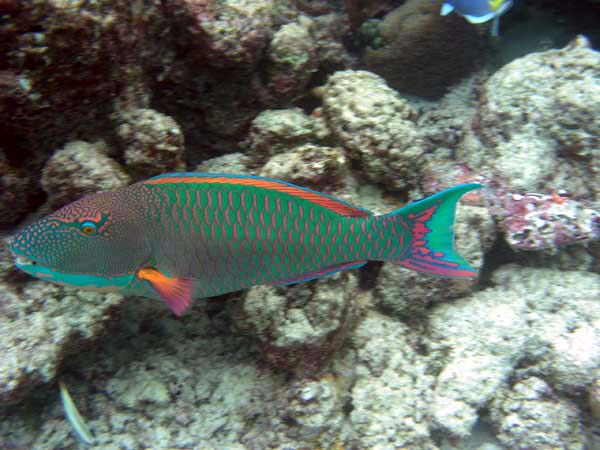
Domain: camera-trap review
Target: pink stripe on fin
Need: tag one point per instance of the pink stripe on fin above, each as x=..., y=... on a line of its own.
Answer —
x=325, y=272
x=436, y=270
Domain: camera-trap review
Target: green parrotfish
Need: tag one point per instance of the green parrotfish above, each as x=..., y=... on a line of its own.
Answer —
x=181, y=236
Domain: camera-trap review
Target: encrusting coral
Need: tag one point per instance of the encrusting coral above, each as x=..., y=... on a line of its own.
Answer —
x=375, y=125
x=535, y=129
x=153, y=142
x=80, y=168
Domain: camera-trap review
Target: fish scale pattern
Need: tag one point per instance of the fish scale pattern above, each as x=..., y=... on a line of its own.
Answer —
x=233, y=236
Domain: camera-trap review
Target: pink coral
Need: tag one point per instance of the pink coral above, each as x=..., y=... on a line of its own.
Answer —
x=545, y=222
x=226, y=34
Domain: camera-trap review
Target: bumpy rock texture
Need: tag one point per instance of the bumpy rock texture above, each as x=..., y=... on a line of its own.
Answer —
x=309, y=165
x=300, y=329
x=153, y=142
x=230, y=33
x=545, y=222
x=329, y=32
x=375, y=125
x=443, y=123
x=390, y=371
x=292, y=60
x=537, y=321
x=519, y=349
x=530, y=415
x=536, y=128
x=376, y=358
x=235, y=163
x=62, y=68
x=78, y=169
x=15, y=191
x=277, y=131
x=482, y=340
x=41, y=326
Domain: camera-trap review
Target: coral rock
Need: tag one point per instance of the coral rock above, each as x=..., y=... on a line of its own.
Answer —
x=536, y=129
x=391, y=398
x=564, y=317
x=483, y=339
x=375, y=125
x=594, y=396
x=66, y=63
x=315, y=409
x=301, y=327
x=153, y=143
x=15, y=190
x=309, y=165
x=329, y=32
x=228, y=33
x=278, y=131
x=545, y=222
x=443, y=123
x=543, y=320
x=235, y=163
x=292, y=60
x=530, y=415
x=40, y=327
x=78, y=169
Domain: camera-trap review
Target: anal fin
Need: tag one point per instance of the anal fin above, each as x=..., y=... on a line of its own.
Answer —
x=325, y=272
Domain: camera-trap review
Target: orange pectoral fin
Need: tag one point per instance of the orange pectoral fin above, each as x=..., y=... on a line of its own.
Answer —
x=175, y=292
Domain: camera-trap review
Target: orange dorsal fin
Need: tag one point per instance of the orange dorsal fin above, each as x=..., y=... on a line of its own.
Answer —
x=177, y=293
x=324, y=200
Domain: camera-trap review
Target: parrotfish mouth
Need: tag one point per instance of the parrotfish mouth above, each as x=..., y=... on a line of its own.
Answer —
x=27, y=264
x=22, y=262
x=34, y=268
x=79, y=280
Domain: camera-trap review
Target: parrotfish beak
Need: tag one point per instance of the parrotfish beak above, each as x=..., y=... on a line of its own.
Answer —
x=31, y=266
x=84, y=281
x=24, y=263
x=24, y=260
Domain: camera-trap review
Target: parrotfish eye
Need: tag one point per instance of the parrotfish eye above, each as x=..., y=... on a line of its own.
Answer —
x=88, y=228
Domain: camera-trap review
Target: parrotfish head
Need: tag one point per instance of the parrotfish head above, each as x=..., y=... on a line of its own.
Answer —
x=92, y=243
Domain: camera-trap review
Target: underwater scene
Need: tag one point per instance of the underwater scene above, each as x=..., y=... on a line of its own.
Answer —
x=299, y=224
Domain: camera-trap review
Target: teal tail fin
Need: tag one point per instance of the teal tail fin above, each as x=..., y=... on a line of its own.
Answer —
x=424, y=229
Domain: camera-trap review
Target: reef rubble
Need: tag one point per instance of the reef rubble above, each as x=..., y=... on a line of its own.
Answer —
x=377, y=358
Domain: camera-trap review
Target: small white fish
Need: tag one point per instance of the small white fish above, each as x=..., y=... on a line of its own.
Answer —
x=478, y=11
x=81, y=430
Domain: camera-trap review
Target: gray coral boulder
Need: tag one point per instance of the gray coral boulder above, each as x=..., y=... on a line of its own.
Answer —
x=153, y=142
x=530, y=415
x=537, y=126
x=300, y=328
x=42, y=325
x=280, y=130
x=393, y=390
x=80, y=168
x=376, y=126
x=534, y=321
